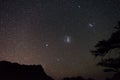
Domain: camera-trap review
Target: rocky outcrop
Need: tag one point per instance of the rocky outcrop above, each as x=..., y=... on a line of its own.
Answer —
x=15, y=71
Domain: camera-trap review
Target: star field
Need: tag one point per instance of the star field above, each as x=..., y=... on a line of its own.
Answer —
x=56, y=33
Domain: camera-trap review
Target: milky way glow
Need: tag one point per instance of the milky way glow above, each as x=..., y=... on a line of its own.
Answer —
x=58, y=34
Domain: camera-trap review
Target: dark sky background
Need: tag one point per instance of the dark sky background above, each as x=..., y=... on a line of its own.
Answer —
x=58, y=34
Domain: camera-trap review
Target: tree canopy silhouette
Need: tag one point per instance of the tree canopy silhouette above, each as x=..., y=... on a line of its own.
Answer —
x=106, y=51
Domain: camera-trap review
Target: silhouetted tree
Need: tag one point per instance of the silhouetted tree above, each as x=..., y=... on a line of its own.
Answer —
x=104, y=48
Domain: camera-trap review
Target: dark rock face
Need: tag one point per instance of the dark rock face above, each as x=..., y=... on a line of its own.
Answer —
x=77, y=78
x=14, y=71
x=116, y=76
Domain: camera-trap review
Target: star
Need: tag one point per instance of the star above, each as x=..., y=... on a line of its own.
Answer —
x=58, y=59
x=90, y=25
x=79, y=6
x=67, y=39
x=46, y=45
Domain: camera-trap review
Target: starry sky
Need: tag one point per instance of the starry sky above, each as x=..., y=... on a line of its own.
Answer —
x=58, y=34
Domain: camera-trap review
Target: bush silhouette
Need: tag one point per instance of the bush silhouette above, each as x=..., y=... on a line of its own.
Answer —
x=104, y=48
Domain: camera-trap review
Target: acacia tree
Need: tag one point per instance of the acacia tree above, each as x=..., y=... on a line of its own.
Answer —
x=104, y=48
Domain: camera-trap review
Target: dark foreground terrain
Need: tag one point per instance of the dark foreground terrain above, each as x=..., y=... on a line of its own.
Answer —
x=14, y=71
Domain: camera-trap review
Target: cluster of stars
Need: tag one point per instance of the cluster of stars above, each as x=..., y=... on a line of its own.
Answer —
x=54, y=32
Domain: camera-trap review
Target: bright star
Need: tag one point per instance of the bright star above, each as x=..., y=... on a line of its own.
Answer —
x=67, y=39
x=79, y=6
x=91, y=25
x=46, y=45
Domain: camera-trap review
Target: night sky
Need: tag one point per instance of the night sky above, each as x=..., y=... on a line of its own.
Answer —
x=58, y=34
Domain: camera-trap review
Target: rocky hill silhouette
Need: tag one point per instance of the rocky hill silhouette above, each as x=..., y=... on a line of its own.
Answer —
x=15, y=71
x=77, y=78
x=115, y=77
